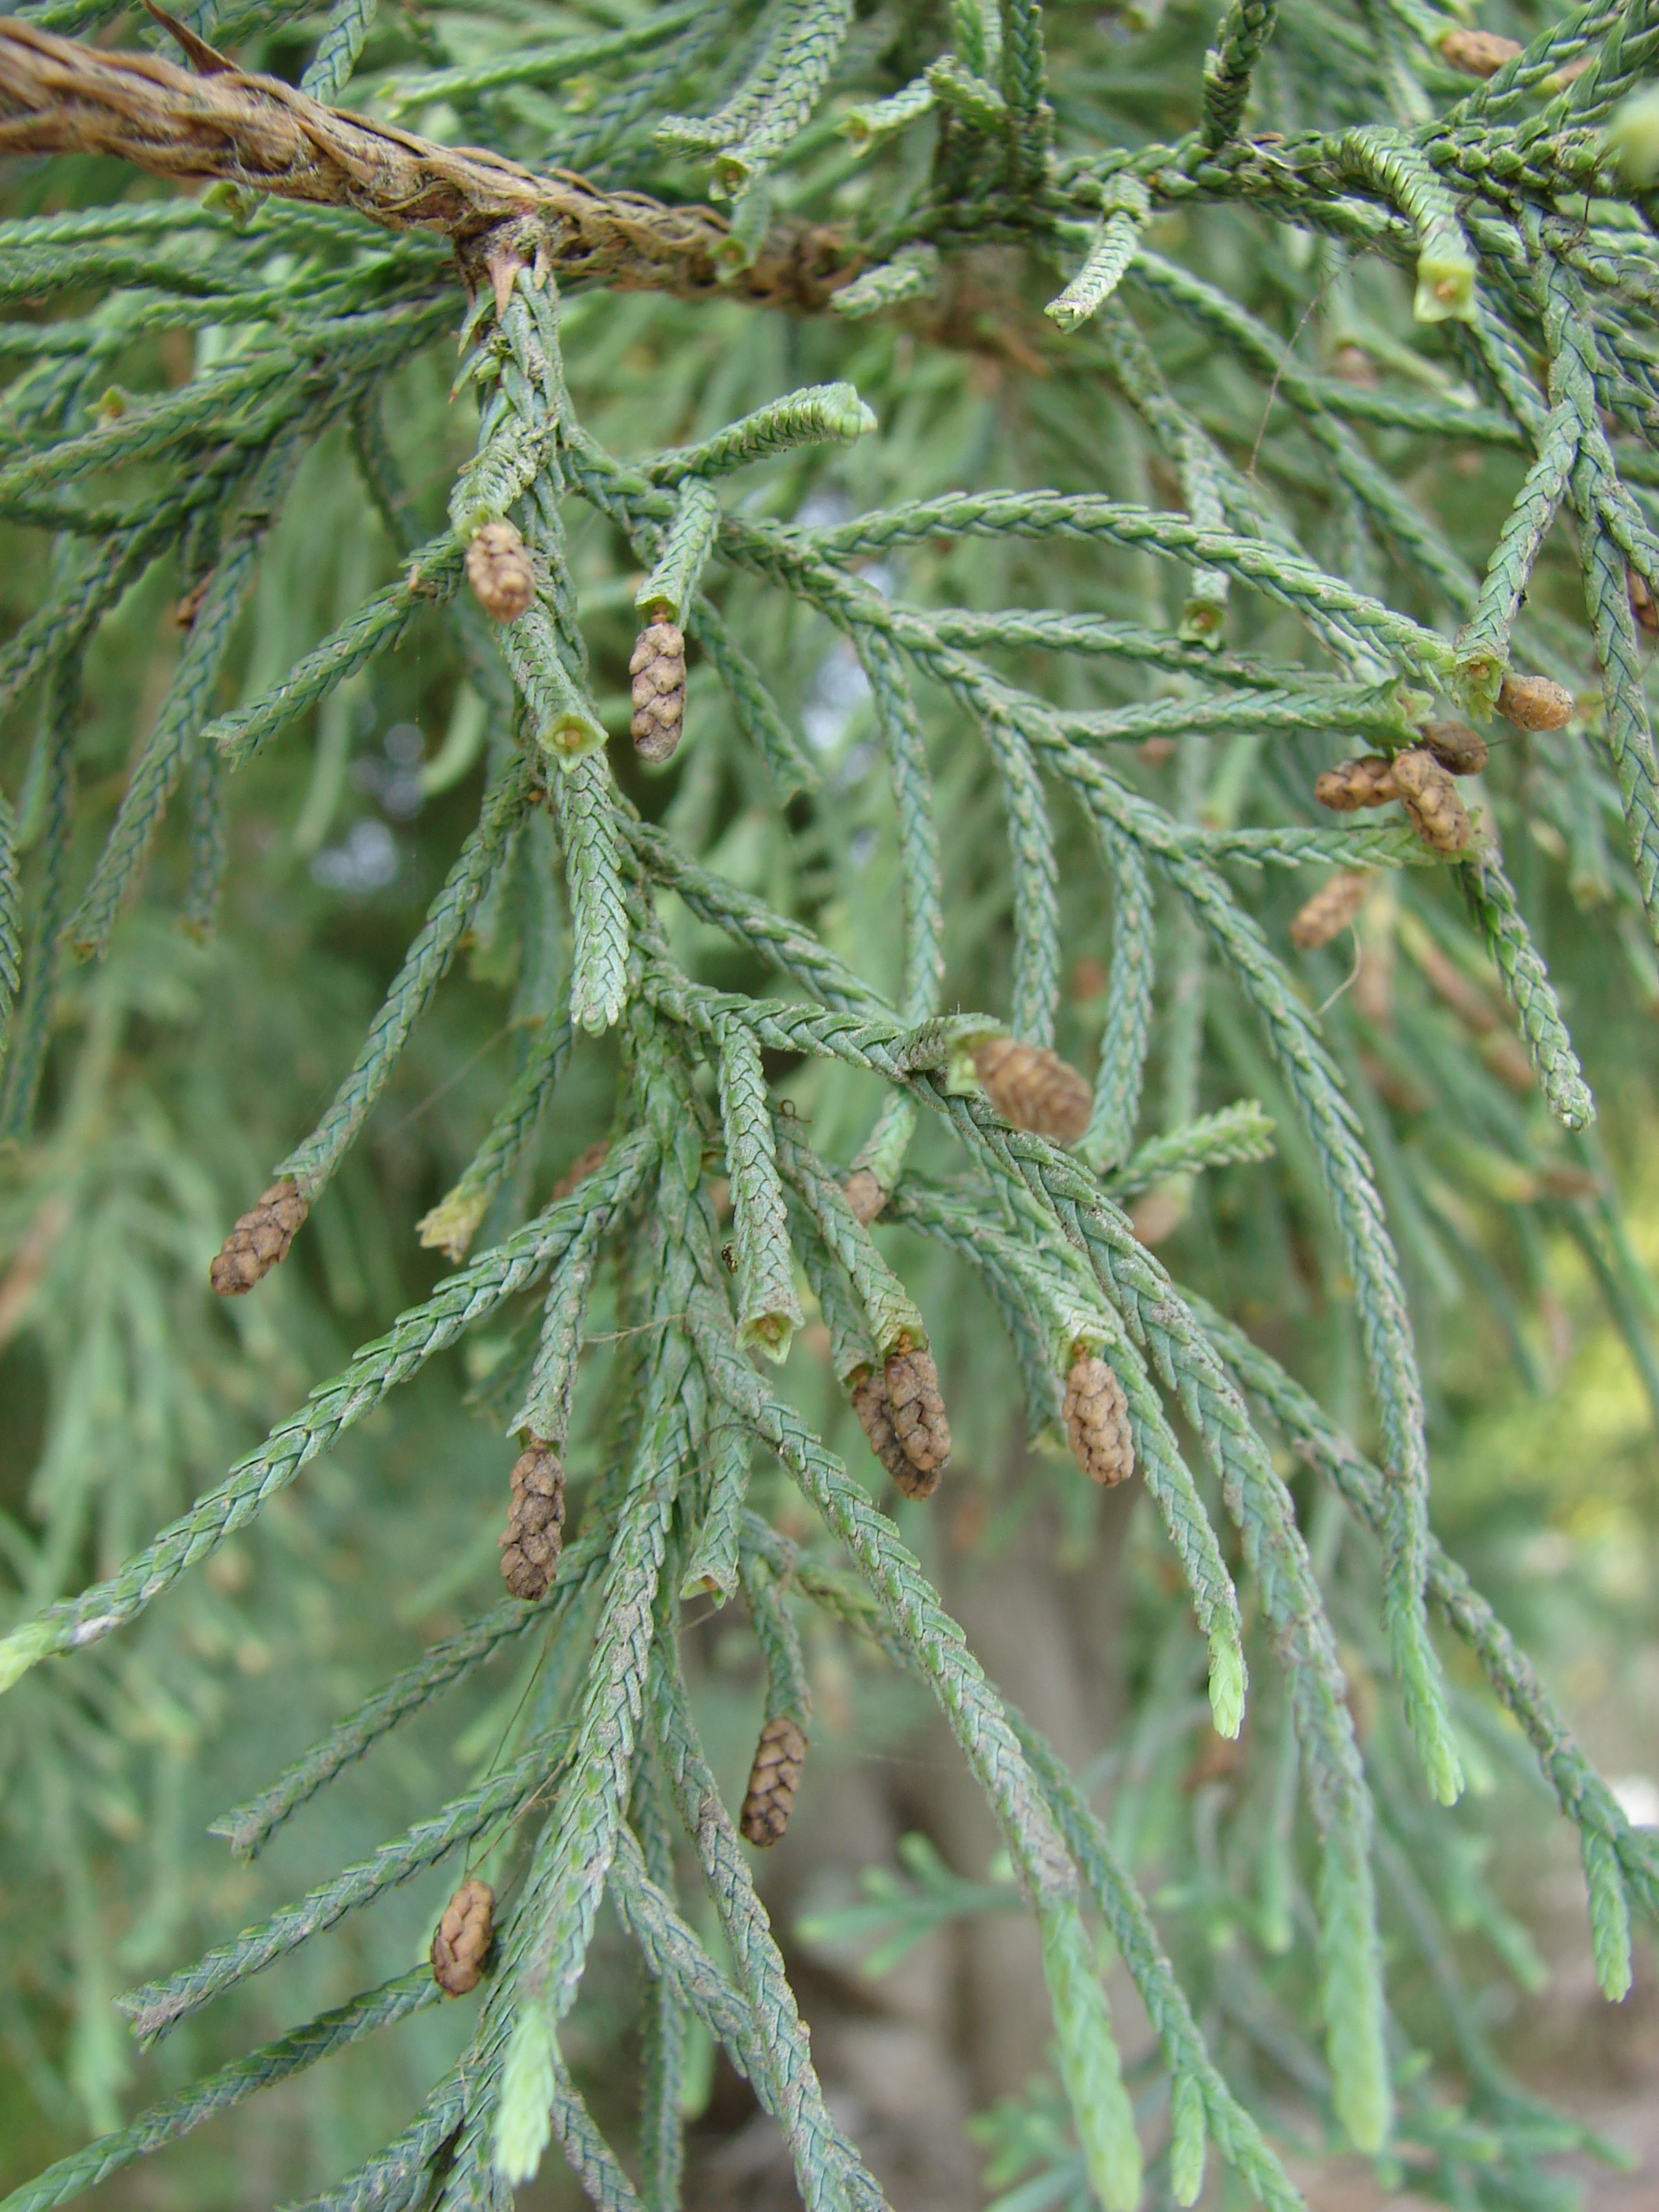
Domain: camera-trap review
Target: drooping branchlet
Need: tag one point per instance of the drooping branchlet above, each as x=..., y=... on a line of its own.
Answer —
x=531, y=1542
x=498, y=569
x=463, y=1938
x=1033, y=1088
x=917, y=1413
x=1330, y=910
x=1368, y=782
x=1459, y=749
x=1430, y=798
x=658, y=673
x=259, y=1241
x=1535, y=702
x=773, y=1779
x=1097, y=1415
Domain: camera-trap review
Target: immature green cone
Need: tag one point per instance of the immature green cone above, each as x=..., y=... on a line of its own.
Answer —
x=1459, y=749
x=259, y=1241
x=498, y=569
x=1533, y=702
x=1477, y=53
x=1368, y=782
x=773, y=1779
x=1097, y=1415
x=1430, y=797
x=1330, y=910
x=534, y=1534
x=1033, y=1088
x=917, y=1417
x=464, y=1938
x=658, y=670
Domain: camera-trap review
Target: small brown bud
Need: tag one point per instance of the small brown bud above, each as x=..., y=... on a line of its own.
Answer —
x=1477, y=53
x=185, y=610
x=464, y=1938
x=1533, y=702
x=1355, y=365
x=658, y=670
x=1642, y=602
x=259, y=1241
x=773, y=1779
x=531, y=1542
x=1097, y=1421
x=498, y=569
x=1368, y=782
x=1430, y=798
x=1033, y=1088
x=1330, y=910
x=1460, y=750
x=917, y=1412
x=864, y=1194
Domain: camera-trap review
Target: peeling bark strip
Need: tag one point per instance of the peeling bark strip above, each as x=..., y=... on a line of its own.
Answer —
x=58, y=97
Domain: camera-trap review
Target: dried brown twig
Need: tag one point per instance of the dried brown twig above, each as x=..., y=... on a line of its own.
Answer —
x=59, y=97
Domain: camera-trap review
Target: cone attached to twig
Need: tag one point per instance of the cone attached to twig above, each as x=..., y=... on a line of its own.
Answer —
x=1643, y=604
x=1459, y=749
x=534, y=1534
x=1033, y=1088
x=1330, y=910
x=1430, y=797
x=870, y=1403
x=1533, y=702
x=917, y=1412
x=1368, y=782
x=1097, y=1421
x=464, y=1938
x=1477, y=53
x=658, y=670
x=259, y=1241
x=498, y=569
x=773, y=1779
x=864, y=1194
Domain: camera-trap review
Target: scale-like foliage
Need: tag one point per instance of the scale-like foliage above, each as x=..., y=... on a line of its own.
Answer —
x=1211, y=539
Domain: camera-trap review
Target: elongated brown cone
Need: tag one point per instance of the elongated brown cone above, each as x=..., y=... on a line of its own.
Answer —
x=658, y=670
x=918, y=1418
x=1368, y=782
x=1430, y=797
x=498, y=569
x=534, y=1534
x=875, y=1413
x=1533, y=702
x=1477, y=53
x=1642, y=605
x=1033, y=1088
x=259, y=1241
x=773, y=1781
x=464, y=1938
x=1098, y=1421
x=1459, y=749
x=1330, y=910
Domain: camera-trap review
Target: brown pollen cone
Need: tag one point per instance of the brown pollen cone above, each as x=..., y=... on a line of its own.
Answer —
x=1097, y=1421
x=1368, y=782
x=1533, y=702
x=259, y=1241
x=1642, y=603
x=1477, y=53
x=463, y=1938
x=498, y=569
x=918, y=1418
x=875, y=1413
x=658, y=670
x=1459, y=749
x=534, y=1534
x=1033, y=1088
x=1330, y=910
x=1430, y=797
x=773, y=1781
